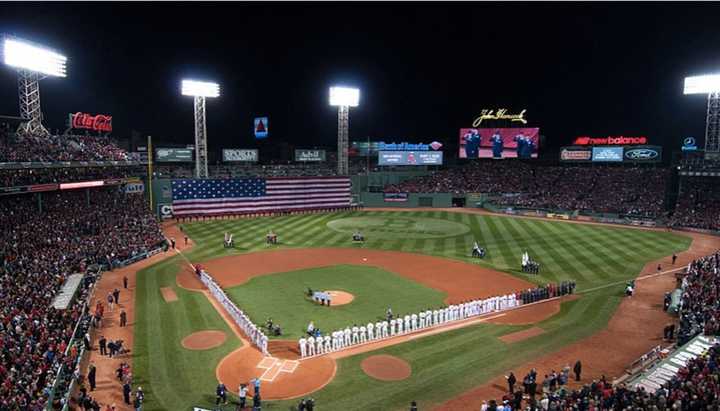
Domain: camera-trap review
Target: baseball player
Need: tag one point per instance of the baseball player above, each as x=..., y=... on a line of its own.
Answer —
x=408, y=322
x=341, y=339
x=320, y=341
x=264, y=343
x=355, y=336
x=428, y=318
x=385, y=329
x=303, y=348
x=328, y=343
x=435, y=316
x=399, y=324
x=378, y=330
x=363, y=334
x=370, y=331
x=311, y=346
x=348, y=337
x=392, y=326
x=422, y=319
x=335, y=341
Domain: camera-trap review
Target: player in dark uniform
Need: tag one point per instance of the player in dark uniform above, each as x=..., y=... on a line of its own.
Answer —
x=472, y=143
x=529, y=147
x=497, y=144
x=520, y=140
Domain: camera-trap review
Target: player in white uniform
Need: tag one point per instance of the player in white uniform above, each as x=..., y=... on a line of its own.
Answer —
x=355, y=336
x=407, y=323
x=392, y=327
x=363, y=334
x=421, y=316
x=303, y=348
x=384, y=329
x=378, y=330
x=414, y=321
x=371, y=332
x=399, y=324
x=335, y=342
x=328, y=344
x=435, y=317
x=311, y=346
x=348, y=337
x=320, y=345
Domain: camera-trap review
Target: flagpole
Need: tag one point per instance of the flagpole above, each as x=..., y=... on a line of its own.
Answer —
x=149, y=170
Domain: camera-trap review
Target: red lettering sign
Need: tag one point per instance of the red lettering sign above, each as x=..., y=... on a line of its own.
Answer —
x=610, y=141
x=98, y=122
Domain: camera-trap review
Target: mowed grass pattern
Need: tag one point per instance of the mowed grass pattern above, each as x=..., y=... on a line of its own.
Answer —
x=443, y=365
x=282, y=297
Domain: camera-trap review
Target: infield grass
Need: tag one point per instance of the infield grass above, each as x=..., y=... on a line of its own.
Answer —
x=443, y=365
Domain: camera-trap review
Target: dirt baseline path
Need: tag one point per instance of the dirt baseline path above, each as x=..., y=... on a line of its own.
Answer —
x=459, y=280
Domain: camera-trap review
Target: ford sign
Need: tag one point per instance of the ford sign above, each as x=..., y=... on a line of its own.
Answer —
x=643, y=153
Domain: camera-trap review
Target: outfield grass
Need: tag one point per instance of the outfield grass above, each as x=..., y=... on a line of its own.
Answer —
x=444, y=365
x=280, y=296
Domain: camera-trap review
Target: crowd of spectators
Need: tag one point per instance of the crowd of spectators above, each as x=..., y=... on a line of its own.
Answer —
x=40, y=246
x=637, y=191
x=700, y=301
x=29, y=176
x=14, y=148
x=698, y=205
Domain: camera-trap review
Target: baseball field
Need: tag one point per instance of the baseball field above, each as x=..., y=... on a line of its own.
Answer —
x=410, y=261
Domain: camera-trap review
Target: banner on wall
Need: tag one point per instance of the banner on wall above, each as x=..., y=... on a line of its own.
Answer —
x=260, y=127
x=395, y=197
x=134, y=188
x=309, y=155
x=410, y=158
x=581, y=154
x=607, y=154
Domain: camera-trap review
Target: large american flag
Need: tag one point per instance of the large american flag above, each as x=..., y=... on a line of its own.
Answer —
x=247, y=195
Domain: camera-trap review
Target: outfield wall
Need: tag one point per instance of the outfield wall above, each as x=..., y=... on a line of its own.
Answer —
x=436, y=200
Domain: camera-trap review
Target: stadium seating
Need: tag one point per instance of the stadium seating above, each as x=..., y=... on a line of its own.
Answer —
x=39, y=249
x=60, y=148
x=603, y=189
x=698, y=205
x=29, y=176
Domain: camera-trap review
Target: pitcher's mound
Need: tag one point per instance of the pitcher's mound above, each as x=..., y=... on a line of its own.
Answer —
x=386, y=367
x=340, y=297
x=204, y=340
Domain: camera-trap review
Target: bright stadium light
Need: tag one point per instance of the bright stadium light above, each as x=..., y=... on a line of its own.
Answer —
x=710, y=85
x=344, y=96
x=200, y=88
x=22, y=55
x=32, y=63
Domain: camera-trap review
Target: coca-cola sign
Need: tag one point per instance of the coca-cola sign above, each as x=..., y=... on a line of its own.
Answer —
x=98, y=122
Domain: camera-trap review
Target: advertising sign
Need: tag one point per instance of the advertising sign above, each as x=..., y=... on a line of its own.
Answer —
x=309, y=155
x=689, y=144
x=261, y=127
x=499, y=114
x=609, y=141
x=395, y=197
x=643, y=154
x=237, y=154
x=410, y=158
x=99, y=122
x=135, y=188
x=174, y=155
x=364, y=148
x=575, y=154
x=607, y=154
x=499, y=142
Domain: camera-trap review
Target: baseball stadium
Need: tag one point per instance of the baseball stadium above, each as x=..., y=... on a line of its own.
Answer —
x=504, y=261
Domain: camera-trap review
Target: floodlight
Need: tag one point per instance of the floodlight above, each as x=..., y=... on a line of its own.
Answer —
x=344, y=96
x=200, y=88
x=23, y=55
x=702, y=84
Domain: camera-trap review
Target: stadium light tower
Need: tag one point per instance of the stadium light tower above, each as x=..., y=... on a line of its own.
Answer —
x=33, y=63
x=199, y=90
x=343, y=98
x=710, y=85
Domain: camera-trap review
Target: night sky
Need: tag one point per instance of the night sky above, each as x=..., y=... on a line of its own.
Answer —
x=424, y=69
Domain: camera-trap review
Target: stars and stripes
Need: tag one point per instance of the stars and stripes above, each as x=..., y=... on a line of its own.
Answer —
x=247, y=195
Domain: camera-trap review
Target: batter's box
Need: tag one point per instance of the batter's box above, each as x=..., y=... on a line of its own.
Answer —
x=289, y=366
x=267, y=363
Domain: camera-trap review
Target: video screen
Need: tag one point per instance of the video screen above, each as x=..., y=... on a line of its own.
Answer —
x=499, y=142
